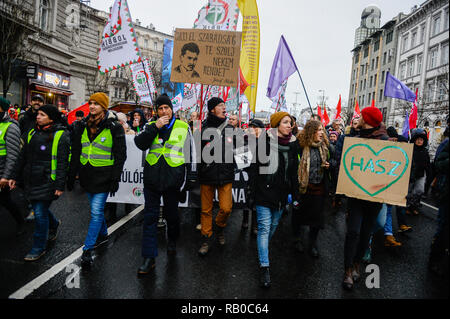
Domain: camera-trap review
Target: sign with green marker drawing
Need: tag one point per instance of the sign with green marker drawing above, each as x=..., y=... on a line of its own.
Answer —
x=375, y=170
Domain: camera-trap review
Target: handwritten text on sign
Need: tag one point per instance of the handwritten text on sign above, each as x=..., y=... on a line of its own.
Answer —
x=375, y=170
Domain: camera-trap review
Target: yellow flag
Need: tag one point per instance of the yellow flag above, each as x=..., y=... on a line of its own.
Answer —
x=250, y=48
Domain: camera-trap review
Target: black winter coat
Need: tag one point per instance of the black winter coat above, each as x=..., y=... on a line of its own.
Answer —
x=99, y=179
x=34, y=164
x=272, y=190
x=162, y=177
x=27, y=122
x=216, y=173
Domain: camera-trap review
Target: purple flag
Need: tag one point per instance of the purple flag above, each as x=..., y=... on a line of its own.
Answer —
x=396, y=89
x=283, y=66
x=405, y=131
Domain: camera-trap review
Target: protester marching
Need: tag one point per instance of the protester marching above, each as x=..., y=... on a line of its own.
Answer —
x=186, y=151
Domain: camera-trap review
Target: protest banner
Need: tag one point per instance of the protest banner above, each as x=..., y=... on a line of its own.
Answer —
x=206, y=56
x=143, y=81
x=375, y=170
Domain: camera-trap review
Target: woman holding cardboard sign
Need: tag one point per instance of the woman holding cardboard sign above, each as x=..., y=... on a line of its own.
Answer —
x=314, y=181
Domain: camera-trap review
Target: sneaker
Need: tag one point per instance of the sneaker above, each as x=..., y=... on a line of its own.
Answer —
x=34, y=255
x=101, y=239
x=404, y=228
x=30, y=216
x=390, y=241
x=204, y=248
x=367, y=258
x=161, y=223
x=53, y=232
x=86, y=258
x=221, y=236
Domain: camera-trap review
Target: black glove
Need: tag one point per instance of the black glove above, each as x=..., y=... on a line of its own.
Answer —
x=190, y=184
x=114, y=187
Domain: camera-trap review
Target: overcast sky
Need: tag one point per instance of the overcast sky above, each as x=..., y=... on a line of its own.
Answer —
x=320, y=34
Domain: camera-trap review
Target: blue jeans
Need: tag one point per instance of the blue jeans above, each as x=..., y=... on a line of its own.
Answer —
x=44, y=219
x=267, y=224
x=97, y=225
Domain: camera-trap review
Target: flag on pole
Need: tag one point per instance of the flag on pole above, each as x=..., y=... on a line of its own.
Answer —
x=71, y=115
x=325, y=118
x=283, y=66
x=319, y=112
x=394, y=88
x=414, y=115
x=338, y=109
x=143, y=81
x=356, y=112
x=405, y=131
x=119, y=45
x=218, y=15
x=249, y=60
x=279, y=100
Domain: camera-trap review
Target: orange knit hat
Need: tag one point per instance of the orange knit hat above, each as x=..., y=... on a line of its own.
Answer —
x=101, y=99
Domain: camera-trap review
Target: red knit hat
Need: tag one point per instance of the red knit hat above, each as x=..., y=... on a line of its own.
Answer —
x=372, y=116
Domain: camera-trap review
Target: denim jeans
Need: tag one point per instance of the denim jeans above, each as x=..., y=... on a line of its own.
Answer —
x=151, y=214
x=267, y=224
x=44, y=219
x=97, y=225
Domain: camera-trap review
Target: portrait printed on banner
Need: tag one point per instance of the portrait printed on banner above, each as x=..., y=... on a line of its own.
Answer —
x=188, y=60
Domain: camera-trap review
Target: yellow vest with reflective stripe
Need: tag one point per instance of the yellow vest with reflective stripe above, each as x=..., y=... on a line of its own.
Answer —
x=55, y=143
x=3, y=129
x=172, y=150
x=99, y=152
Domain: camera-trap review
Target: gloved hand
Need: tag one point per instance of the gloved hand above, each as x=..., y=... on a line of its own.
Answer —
x=114, y=187
x=190, y=184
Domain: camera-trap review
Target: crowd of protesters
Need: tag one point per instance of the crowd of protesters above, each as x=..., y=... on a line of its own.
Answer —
x=44, y=156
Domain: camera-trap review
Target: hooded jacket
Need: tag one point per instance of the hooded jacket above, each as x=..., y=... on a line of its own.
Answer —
x=421, y=158
x=99, y=179
x=12, y=140
x=141, y=124
x=34, y=163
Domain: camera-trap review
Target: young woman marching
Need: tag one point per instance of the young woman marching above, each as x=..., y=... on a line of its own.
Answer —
x=314, y=182
x=43, y=163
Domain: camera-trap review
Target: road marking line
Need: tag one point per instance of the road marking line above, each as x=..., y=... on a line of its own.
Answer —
x=432, y=207
x=26, y=290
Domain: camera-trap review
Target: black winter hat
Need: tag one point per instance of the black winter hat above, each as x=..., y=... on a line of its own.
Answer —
x=51, y=111
x=213, y=102
x=256, y=123
x=163, y=99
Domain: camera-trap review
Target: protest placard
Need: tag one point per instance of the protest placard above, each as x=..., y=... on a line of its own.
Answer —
x=375, y=170
x=206, y=56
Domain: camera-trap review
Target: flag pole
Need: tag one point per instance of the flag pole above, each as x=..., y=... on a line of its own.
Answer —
x=305, y=92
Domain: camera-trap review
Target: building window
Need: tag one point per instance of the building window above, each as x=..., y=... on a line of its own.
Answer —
x=429, y=91
x=115, y=92
x=380, y=98
x=382, y=77
x=413, y=38
x=372, y=65
x=384, y=58
x=120, y=93
x=442, y=90
x=44, y=12
x=446, y=19
x=403, y=70
x=390, y=55
x=411, y=67
x=366, y=51
x=436, y=27
x=155, y=45
x=376, y=46
x=405, y=43
x=367, y=68
x=422, y=33
x=389, y=37
x=371, y=81
x=433, y=58
x=362, y=70
x=444, y=54
x=419, y=63
x=357, y=58
x=145, y=44
x=365, y=82
x=376, y=62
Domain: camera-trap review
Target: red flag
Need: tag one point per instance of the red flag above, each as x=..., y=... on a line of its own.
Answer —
x=357, y=112
x=71, y=116
x=325, y=119
x=243, y=84
x=338, y=109
x=319, y=112
x=413, y=116
x=373, y=103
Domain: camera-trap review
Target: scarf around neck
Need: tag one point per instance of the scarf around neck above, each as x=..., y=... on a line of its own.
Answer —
x=305, y=163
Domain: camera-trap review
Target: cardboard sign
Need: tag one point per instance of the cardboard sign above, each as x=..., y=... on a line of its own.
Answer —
x=206, y=56
x=375, y=170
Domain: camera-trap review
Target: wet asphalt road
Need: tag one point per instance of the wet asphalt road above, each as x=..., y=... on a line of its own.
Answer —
x=230, y=272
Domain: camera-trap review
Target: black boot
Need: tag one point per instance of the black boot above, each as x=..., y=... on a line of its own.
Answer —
x=147, y=265
x=265, y=277
x=87, y=259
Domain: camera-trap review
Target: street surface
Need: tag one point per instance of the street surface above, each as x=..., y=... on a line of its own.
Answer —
x=230, y=272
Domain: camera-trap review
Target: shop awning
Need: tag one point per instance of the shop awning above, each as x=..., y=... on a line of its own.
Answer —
x=53, y=90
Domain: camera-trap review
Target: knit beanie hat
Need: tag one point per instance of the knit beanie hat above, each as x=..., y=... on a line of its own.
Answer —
x=372, y=116
x=334, y=133
x=163, y=99
x=51, y=111
x=101, y=98
x=276, y=118
x=4, y=104
x=213, y=102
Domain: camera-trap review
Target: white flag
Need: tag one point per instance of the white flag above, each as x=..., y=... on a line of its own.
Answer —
x=119, y=44
x=143, y=81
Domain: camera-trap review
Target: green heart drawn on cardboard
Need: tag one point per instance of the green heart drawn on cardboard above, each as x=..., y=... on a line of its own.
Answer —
x=406, y=164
